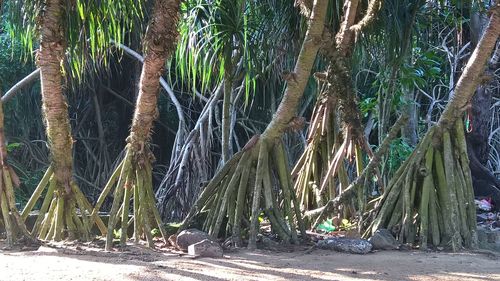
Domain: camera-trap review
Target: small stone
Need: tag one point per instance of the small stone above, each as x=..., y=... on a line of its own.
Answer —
x=172, y=239
x=189, y=237
x=382, y=239
x=353, y=246
x=206, y=248
x=269, y=243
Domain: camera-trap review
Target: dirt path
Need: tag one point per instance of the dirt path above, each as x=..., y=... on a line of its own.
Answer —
x=141, y=264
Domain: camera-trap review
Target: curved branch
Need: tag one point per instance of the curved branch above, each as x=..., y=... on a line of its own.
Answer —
x=163, y=83
x=472, y=73
x=21, y=84
x=369, y=17
x=297, y=81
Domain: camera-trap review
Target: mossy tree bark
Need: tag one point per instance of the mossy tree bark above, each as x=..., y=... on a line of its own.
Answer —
x=234, y=194
x=133, y=176
x=57, y=218
x=430, y=199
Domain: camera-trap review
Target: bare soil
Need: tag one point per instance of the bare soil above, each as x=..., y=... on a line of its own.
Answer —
x=89, y=262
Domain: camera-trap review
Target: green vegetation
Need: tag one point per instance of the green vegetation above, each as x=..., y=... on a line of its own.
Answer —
x=230, y=115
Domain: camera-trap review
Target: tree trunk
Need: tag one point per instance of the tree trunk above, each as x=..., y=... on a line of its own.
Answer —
x=409, y=132
x=249, y=172
x=55, y=108
x=472, y=73
x=479, y=118
x=57, y=218
x=134, y=174
x=227, y=106
x=321, y=173
x=287, y=109
x=434, y=184
x=159, y=43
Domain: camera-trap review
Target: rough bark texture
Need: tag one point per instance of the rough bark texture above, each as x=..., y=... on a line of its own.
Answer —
x=344, y=36
x=430, y=197
x=159, y=43
x=472, y=73
x=295, y=87
x=133, y=177
x=247, y=176
x=55, y=108
x=480, y=113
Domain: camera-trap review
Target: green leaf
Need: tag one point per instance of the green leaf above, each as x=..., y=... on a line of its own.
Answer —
x=326, y=226
x=12, y=146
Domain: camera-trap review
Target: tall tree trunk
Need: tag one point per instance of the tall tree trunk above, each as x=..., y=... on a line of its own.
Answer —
x=248, y=173
x=409, y=132
x=57, y=218
x=226, y=107
x=298, y=79
x=434, y=184
x=134, y=174
x=321, y=173
x=479, y=118
x=55, y=107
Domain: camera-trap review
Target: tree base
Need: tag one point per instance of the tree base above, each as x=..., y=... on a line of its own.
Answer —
x=133, y=183
x=241, y=182
x=430, y=199
x=15, y=228
x=62, y=215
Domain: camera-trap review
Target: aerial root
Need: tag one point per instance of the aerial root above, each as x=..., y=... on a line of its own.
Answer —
x=133, y=185
x=245, y=180
x=430, y=198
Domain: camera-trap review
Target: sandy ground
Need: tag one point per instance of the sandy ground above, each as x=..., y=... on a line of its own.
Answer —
x=136, y=263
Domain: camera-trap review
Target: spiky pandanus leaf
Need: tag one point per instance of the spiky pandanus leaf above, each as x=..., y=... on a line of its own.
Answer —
x=89, y=28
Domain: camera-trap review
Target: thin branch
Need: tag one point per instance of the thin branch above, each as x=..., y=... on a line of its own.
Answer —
x=21, y=84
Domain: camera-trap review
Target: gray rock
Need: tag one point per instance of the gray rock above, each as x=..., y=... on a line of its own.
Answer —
x=382, y=239
x=206, y=248
x=270, y=244
x=488, y=239
x=347, y=245
x=189, y=237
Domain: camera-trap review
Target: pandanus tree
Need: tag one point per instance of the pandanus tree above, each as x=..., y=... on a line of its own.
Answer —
x=321, y=173
x=248, y=178
x=430, y=198
x=212, y=44
x=254, y=31
x=64, y=27
x=132, y=179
